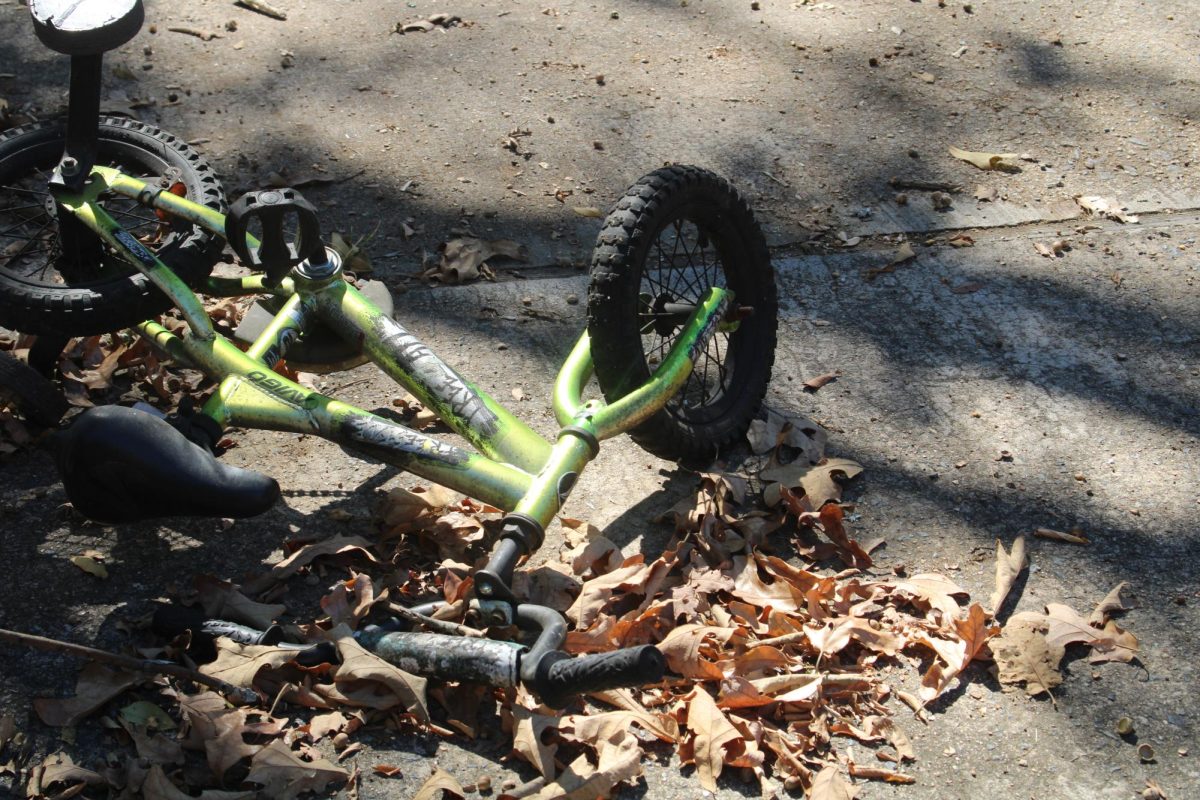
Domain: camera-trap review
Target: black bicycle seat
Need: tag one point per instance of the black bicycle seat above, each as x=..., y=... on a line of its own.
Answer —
x=122, y=465
x=86, y=27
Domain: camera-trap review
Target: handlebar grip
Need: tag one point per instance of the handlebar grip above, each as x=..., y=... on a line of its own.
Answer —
x=632, y=666
x=172, y=620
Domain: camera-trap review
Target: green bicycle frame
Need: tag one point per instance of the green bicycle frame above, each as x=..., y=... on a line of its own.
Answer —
x=514, y=468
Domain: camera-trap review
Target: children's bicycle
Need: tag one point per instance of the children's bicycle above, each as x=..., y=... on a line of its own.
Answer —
x=107, y=222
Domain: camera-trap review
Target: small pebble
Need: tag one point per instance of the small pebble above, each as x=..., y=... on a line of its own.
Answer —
x=572, y=299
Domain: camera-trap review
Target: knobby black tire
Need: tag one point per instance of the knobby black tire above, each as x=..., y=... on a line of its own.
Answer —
x=104, y=293
x=35, y=396
x=723, y=245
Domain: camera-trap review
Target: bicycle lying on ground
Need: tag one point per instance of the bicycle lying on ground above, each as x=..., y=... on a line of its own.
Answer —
x=107, y=222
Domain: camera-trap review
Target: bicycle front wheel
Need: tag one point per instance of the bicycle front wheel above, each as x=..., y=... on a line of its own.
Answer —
x=49, y=288
x=674, y=234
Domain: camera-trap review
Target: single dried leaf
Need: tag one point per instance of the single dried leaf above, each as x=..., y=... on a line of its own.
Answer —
x=683, y=650
x=830, y=785
x=1068, y=627
x=438, y=786
x=813, y=384
x=1008, y=567
x=839, y=633
x=737, y=692
x=90, y=565
x=324, y=725
x=590, y=728
x=985, y=161
x=1059, y=536
x=157, y=786
x=794, y=431
x=886, y=727
x=147, y=715
x=284, y=775
x=713, y=734
x=333, y=546
x=59, y=768
x=353, y=258
x=817, y=481
x=780, y=594
x=600, y=555
x=936, y=590
x=360, y=666
x=877, y=774
x=402, y=507
x=97, y=684
x=986, y=194
x=222, y=600
x=464, y=259
x=154, y=748
x=620, y=760
x=239, y=664
x=903, y=255
x=972, y=632
x=1111, y=603
x=1024, y=655
x=528, y=740
x=598, y=592
x=1106, y=207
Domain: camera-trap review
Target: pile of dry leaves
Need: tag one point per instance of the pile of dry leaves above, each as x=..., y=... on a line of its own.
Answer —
x=781, y=638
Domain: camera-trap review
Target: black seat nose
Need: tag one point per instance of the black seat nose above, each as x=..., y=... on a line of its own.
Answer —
x=122, y=465
x=86, y=27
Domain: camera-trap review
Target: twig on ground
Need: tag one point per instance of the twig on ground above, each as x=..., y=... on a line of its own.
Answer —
x=262, y=8
x=152, y=666
x=199, y=34
x=924, y=186
x=439, y=625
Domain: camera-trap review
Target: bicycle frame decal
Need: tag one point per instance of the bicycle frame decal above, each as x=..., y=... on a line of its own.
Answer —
x=365, y=431
x=436, y=377
x=134, y=246
x=277, y=388
x=709, y=329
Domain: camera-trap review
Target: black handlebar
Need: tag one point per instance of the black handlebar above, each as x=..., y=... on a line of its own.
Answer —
x=552, y=675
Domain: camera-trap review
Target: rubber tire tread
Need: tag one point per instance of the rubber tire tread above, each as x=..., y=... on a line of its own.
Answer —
x=126, y=300
x=616, y=345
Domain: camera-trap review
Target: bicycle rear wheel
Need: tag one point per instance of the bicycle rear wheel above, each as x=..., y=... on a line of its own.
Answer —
x=46, y=288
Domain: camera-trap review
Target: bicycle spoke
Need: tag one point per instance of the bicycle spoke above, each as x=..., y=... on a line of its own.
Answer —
x=23, y=190
x=24, y=249
x=9, y=209
x=129, y=214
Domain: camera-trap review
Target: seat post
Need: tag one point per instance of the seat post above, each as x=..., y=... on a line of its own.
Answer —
x=83, y=120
